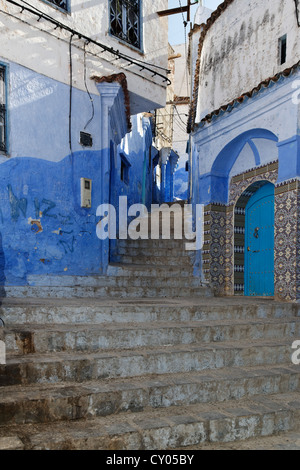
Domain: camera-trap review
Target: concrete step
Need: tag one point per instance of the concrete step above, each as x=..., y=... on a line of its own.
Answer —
x=152, y=244
x=106, y=291
x=56, y=338
x=118, y=281
x=67, y=402
x=157, y=260
x=95, y=311
x=81, y=367
x=168, y=428
x=138, y=270
x=157, y=252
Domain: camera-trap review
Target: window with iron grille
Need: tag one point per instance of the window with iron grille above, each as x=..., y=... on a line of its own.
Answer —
x=3, y=117
x=63, y=4
x=125, y=21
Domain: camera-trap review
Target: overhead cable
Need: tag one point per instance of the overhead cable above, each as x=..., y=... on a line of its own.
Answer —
x=138, y=63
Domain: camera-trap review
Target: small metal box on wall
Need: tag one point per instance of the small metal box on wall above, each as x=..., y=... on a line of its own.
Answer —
x=86, y=193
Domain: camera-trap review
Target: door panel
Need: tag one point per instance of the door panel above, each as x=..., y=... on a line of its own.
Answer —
x=259, y=238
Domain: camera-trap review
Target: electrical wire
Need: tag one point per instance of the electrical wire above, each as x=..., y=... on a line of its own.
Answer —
x=184, y=123
x=297, y=11
x=185, y=50
x=71, y=94
x=87, y=90
x=141, y=64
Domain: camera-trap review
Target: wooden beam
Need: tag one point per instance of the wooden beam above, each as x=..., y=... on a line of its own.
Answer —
x=173, y=11
x=189, y=11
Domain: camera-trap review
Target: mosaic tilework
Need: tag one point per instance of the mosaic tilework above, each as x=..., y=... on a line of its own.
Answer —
x=224, y=245
x=219, y=250
x=287, y=199
x=240, y=183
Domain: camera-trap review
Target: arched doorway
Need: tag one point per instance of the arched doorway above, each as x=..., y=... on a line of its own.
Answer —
x=254, y=240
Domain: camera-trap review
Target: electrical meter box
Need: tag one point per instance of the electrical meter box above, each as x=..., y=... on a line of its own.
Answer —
x=86, y=193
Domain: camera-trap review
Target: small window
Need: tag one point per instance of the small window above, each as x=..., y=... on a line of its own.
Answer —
x=125, y=21
x=86, y=139
x=125, y=166
x=62, y=4
x=3, y=110
x=282, y=49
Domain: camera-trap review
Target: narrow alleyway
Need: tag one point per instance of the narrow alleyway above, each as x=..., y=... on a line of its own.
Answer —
x=147, y=360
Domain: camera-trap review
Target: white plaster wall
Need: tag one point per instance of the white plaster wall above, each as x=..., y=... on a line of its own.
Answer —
x=181, y=89
x=44, y=49
x=267, y=150
x=181, y=79
x=180, y=136
x=245, y=161
x=202, y=14
x=241, y=50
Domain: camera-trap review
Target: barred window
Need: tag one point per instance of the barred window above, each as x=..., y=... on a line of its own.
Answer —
x=3, y=117
x=125, y=21
x=63, y=4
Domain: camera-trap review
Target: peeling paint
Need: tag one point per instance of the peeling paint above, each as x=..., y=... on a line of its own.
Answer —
x=36, y=225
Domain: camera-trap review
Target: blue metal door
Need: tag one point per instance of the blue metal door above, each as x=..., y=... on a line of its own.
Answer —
x=259, y=243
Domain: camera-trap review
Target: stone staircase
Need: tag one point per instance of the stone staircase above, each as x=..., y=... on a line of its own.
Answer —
x=150, y=268
x=145, y=358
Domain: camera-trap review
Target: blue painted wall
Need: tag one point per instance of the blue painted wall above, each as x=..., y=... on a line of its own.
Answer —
x=43, y=229
x=181, y=177
x=49, y=192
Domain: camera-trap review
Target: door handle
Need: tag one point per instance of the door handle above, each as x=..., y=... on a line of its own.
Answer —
x=256, y=251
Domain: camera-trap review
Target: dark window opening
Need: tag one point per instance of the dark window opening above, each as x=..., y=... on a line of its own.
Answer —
x=125, y=21
x=125, y=166
x=123, y=171
x=282, y=50
x=3, y=111
x=86, y=139
x=63, y=4
x=150, y=157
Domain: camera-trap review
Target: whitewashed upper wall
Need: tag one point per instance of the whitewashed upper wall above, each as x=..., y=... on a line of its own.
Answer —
x=34, y=44
x=241, y=49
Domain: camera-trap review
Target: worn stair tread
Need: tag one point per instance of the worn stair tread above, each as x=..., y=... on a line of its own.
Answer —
x=167, y=428
x=115, y=310
x=159, y=271
x=171, y=324
x=106, y=281
x=183, y=301
x=146, y=352
x=14, y=393
x=23, y=339
x=107, y=291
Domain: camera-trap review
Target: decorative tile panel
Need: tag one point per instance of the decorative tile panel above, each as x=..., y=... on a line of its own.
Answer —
x=218, y=264
x=240, y=183
x=287, y=241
